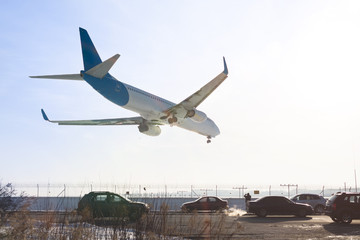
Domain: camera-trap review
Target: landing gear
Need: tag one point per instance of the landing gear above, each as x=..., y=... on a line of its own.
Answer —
x=209, y=139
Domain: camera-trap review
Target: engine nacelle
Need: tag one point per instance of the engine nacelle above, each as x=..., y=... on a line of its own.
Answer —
x=150, y=130
x=197, y=116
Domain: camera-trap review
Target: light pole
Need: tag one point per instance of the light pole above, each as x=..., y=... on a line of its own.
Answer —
x=240, y=188
x=288, y=186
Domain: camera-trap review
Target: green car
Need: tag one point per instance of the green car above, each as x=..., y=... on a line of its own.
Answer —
x=100, y=205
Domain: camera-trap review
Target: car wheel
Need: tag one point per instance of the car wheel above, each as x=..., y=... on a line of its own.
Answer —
x=346, y=217
x=262, y=212
x=319, y=209
x=301, y=213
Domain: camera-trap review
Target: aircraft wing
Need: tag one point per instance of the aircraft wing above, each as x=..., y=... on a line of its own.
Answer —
x=111, y=121
x=198, y=97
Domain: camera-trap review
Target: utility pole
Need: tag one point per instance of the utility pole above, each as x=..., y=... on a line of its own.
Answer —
x=288, y=186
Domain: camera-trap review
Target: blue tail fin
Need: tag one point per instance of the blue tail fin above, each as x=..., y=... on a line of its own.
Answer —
x=90, y=56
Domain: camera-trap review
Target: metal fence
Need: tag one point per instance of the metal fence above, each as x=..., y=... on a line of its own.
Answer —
x=172, y=191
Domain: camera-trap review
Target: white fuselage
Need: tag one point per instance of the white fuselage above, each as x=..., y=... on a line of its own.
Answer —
x=150, y=107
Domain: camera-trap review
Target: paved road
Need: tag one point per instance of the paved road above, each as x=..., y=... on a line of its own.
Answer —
x=289, y=227
x=234, y=226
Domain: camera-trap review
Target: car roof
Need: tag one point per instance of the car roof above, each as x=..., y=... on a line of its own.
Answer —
x=100, y=192
x=207, y=197
x=271, y=197
x=313, y=194
x=347, y=193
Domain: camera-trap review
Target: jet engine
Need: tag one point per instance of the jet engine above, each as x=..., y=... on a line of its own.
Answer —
x=150, y=130
x=196, y=115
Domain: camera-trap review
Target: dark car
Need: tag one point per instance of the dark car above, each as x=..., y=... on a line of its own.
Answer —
x=316, y=201
x=205, y=204
x=343, y=207
x=110, y=205
x=278, y=205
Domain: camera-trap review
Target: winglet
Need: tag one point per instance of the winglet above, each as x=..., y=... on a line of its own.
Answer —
x=44, y=115
x=225, y=67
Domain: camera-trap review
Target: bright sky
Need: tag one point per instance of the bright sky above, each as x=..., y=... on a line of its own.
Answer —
x=289, y=112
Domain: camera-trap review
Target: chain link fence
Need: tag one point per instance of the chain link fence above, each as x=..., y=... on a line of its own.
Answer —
x=173, y=191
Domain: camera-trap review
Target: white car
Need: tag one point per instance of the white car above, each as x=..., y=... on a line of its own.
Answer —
x=316, y=201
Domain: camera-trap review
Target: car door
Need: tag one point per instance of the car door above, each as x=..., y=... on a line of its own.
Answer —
x=118, y=207
x=212, y=203
x=203, y=203
x=353, y=205
x=273, y=205
x=101, y=206
x=357, y=207
x=284, y=206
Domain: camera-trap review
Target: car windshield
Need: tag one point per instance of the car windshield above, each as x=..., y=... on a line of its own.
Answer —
x=126, y=199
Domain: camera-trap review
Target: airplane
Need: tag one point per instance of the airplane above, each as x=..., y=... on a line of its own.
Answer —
x=154, y=111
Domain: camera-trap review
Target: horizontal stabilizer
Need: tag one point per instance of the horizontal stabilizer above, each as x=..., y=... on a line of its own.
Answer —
x=63, y=77
x=100, y=70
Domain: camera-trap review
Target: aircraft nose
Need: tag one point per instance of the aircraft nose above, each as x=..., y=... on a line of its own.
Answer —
x=217, y=130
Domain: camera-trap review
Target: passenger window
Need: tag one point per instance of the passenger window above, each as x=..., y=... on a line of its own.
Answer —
x=353, y=199
x=101, y=198
x=203, y=200
x=212, y=200
x=302, y=197
x=114, y=198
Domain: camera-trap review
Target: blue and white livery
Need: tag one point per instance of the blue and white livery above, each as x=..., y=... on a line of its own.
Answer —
x=153, y=110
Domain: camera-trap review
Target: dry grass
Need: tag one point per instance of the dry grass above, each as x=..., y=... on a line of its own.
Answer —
x=17, y=222
x=155, y=225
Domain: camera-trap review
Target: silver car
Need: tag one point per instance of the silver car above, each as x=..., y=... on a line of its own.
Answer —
x=316, y=201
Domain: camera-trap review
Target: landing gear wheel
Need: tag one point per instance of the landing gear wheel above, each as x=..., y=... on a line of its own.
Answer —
x=172, y=120
x=209, y=140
